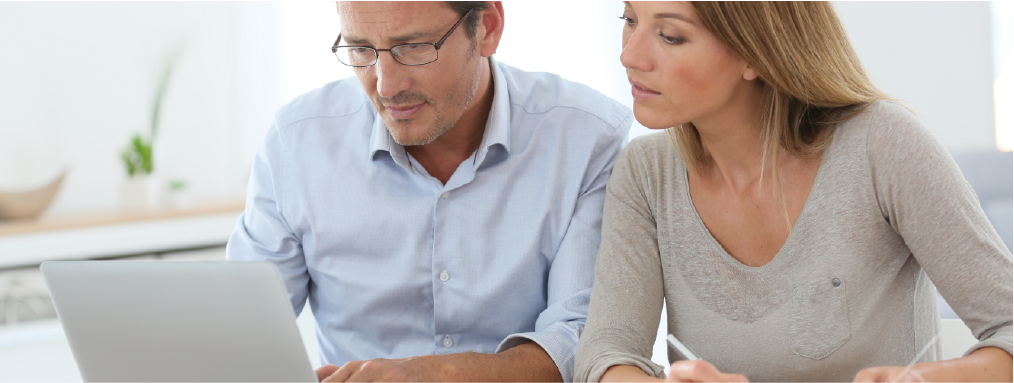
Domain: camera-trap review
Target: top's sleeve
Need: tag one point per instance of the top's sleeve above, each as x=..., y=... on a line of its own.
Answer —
x=626, y=303
x=924, y=197
x=571, y=273
x=262, y=232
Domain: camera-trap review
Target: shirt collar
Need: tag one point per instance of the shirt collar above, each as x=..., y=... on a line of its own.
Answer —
x=381, y=140
x=497, y=126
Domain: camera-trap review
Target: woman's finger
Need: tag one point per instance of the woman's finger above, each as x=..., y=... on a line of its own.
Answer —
x=695, y=372
x=738, y=378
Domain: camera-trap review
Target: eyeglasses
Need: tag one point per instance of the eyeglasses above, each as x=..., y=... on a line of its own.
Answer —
x=406, y=54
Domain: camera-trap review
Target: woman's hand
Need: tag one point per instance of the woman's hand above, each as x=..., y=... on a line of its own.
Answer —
x=894, y=374
x=700, y=371
x=988, y=364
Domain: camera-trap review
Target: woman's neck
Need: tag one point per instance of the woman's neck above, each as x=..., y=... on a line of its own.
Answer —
x=732, y=139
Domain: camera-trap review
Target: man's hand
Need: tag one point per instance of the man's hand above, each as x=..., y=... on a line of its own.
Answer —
x=700, y=371
x=325, y=371
x=526, y=362
x=417, y=369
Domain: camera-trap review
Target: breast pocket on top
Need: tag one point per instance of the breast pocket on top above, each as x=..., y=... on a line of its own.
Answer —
x=820, y=321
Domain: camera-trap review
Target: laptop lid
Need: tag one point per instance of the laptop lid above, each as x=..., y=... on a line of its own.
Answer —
x=178, y=321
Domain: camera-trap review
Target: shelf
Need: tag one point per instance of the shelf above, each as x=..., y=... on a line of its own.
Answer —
x=28, y=243
x=14, y=227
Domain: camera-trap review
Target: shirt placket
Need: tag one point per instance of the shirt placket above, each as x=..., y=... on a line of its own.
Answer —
x=446, y=339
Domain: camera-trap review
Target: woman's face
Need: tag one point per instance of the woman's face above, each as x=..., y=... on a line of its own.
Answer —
x=679, y=72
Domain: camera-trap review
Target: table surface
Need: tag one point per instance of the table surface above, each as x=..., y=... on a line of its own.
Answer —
x=38, y=352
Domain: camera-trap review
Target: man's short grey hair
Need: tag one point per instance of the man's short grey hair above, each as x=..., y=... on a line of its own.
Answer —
x=462, y=7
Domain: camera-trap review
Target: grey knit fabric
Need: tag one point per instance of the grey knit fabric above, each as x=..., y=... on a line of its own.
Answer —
x=888, y=213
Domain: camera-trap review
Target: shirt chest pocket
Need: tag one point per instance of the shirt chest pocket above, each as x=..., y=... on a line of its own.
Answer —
x=820, y=323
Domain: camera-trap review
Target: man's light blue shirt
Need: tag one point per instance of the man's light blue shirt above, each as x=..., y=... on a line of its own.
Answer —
x=396, y=264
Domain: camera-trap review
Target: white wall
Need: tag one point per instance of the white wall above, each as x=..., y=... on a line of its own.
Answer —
x=309, y=29
x=935, y=57
x=77, y=79
x=579, y=41
x=1003, y=72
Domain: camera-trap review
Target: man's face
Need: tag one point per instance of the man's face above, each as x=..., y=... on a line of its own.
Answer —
x=417, y=103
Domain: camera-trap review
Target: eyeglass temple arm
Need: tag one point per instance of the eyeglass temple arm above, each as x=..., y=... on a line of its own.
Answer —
x=448, y=34
x=334, y=48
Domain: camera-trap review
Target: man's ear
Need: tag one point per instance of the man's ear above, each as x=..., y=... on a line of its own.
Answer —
x=490, y=29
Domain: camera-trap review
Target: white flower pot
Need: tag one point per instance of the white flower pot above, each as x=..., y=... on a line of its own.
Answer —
x=135, y=193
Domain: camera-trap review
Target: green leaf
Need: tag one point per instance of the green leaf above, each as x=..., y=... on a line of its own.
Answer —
x=128, y=162
x=137, y=156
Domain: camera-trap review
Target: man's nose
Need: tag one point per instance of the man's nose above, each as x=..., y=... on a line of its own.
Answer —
x=636, y=52
x=391, y=75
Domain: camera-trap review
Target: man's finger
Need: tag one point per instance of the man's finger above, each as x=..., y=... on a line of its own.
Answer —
x=325, y=371
x=344, y=372
x=375, y=370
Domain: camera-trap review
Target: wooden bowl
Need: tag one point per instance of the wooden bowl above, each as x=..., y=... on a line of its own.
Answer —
x=29, y=204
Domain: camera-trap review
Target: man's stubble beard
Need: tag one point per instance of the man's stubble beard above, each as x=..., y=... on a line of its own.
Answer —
x=460, y=97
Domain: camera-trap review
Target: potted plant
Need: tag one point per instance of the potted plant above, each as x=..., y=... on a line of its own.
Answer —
x=142, y=188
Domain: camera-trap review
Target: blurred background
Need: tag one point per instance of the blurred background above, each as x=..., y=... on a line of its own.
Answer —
x=127, y=129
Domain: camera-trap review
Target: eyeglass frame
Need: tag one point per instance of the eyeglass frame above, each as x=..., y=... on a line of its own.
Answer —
x=376, y=51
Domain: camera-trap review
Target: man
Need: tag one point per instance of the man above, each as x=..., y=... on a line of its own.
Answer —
x=442, y=215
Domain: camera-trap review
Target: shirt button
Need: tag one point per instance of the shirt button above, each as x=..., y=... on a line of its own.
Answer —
x=447, y=341
x=444, y=196
x=836, y=282
x=445, y=277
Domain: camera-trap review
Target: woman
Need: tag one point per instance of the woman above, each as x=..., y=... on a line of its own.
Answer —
x=791, y=220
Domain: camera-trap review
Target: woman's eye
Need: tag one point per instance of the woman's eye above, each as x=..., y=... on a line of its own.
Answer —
x=629, y=21
x=672, y=40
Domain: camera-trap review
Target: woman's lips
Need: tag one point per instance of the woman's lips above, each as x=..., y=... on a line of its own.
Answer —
x=404, y=112
x=642, y=93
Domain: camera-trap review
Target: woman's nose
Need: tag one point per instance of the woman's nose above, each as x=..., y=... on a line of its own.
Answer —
x=636, y=52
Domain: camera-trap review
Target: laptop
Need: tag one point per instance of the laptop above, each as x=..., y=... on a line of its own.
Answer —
x=178, y=321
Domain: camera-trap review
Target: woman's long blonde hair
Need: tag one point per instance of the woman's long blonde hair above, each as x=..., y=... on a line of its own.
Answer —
x=812, y=77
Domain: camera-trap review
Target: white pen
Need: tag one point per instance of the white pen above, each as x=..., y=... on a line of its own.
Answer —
x=916, y=359
x=681, y=348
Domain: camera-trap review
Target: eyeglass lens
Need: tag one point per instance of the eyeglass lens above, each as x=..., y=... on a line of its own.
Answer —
x=408, y=54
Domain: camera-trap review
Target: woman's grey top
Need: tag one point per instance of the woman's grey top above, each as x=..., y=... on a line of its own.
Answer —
x=851, y=287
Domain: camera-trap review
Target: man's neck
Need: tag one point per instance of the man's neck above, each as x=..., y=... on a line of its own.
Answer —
x=442, y=157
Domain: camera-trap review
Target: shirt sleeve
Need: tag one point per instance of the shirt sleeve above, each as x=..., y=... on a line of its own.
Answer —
x=924, y=197
x=262, y=232
x=626, y=303
x=571, y=274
